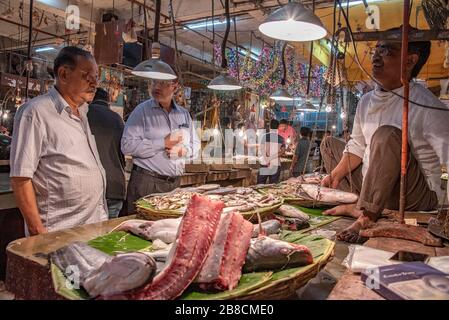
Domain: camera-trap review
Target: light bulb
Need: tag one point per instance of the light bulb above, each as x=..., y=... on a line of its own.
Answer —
x=343, y=115
x=216, y=132
x=334, y=127
x=241, y=133
x=328, y=108
x=288, y=141
x=5, y=116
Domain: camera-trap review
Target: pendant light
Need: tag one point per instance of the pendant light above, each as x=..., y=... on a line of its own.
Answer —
x=154, y=68
x=282, y=94
x=293, y=22
x=225, y=81
x=307, y=105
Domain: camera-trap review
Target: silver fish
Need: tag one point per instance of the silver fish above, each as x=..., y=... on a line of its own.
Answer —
x=122, y=273
x=292, y=212
x=328, y=195
x=102, y=274
x=269, y=227
x=270, y=254
x=164, y=230
x=78, y=256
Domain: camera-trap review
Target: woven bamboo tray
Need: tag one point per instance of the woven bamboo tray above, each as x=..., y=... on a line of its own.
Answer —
x=148, y=212
x=286, y=287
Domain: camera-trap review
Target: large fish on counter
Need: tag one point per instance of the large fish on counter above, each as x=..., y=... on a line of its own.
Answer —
x=270, y=254
x=101, y=274
x=194, y=239
x=328, y=195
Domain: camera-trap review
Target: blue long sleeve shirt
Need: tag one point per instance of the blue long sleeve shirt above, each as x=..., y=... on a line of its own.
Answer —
x=145, y=130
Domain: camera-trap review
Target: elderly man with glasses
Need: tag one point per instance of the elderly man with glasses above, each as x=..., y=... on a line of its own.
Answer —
x=372, y=157
x=160, y=136
x=56, y=172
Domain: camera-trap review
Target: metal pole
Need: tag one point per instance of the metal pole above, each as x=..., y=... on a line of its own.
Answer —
x=405, y=82
x=29, y=63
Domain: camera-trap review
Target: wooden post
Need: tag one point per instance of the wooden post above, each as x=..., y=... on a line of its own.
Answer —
x=405, y=82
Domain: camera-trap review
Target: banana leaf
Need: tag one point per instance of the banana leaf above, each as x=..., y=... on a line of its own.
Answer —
x=247, y=283
x=117, y=242
x=317, y=219
x=64, y=288
x=120, y=242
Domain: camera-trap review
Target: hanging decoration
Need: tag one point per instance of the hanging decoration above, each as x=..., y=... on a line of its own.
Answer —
x=264, y=75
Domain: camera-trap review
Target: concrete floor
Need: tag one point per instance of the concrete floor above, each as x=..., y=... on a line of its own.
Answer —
x=321, y=286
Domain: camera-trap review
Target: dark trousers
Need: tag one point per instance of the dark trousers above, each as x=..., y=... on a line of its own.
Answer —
x=274, y=178
x=381, y=184
x=142, y=184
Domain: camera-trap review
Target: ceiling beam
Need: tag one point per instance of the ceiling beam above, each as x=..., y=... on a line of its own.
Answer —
x=421, y=35
x=38, y=30
x=58, y=7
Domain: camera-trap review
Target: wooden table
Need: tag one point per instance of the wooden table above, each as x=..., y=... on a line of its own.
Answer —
x=350, y=287
x=28, y=275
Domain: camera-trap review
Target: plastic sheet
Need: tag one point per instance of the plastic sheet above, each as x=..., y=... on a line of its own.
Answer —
x=440, y=263
x=362, y=257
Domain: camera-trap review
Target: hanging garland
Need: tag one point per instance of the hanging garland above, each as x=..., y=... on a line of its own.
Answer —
x=264, y=76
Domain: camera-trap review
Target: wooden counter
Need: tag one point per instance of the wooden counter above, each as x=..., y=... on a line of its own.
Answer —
x=28, y=273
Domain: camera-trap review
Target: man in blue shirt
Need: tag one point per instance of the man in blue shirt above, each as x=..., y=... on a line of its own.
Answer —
x=160, y=137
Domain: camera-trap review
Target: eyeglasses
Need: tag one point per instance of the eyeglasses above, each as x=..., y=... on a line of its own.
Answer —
x=94, y=78
x=161, y=83
x=383, y=50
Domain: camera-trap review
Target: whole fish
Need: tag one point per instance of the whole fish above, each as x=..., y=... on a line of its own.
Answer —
x=270, y=254
x=328, y=195
x=102, y=274
x=294, y=224
x=269, y=227
x=292, y=212
x=122, y=273
x=78, y=257
x=164, y=230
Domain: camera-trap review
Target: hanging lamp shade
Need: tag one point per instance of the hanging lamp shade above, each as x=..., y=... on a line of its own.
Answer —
x=154, y=69
x=293, y=22
x=281, y=95
x=224, y=82
x=306, y=106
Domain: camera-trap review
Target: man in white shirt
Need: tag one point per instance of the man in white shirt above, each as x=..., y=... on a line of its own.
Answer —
x=373, y=154
x=56, y=172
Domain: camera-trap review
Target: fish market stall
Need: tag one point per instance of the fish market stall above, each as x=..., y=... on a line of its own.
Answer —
x=44, y=256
